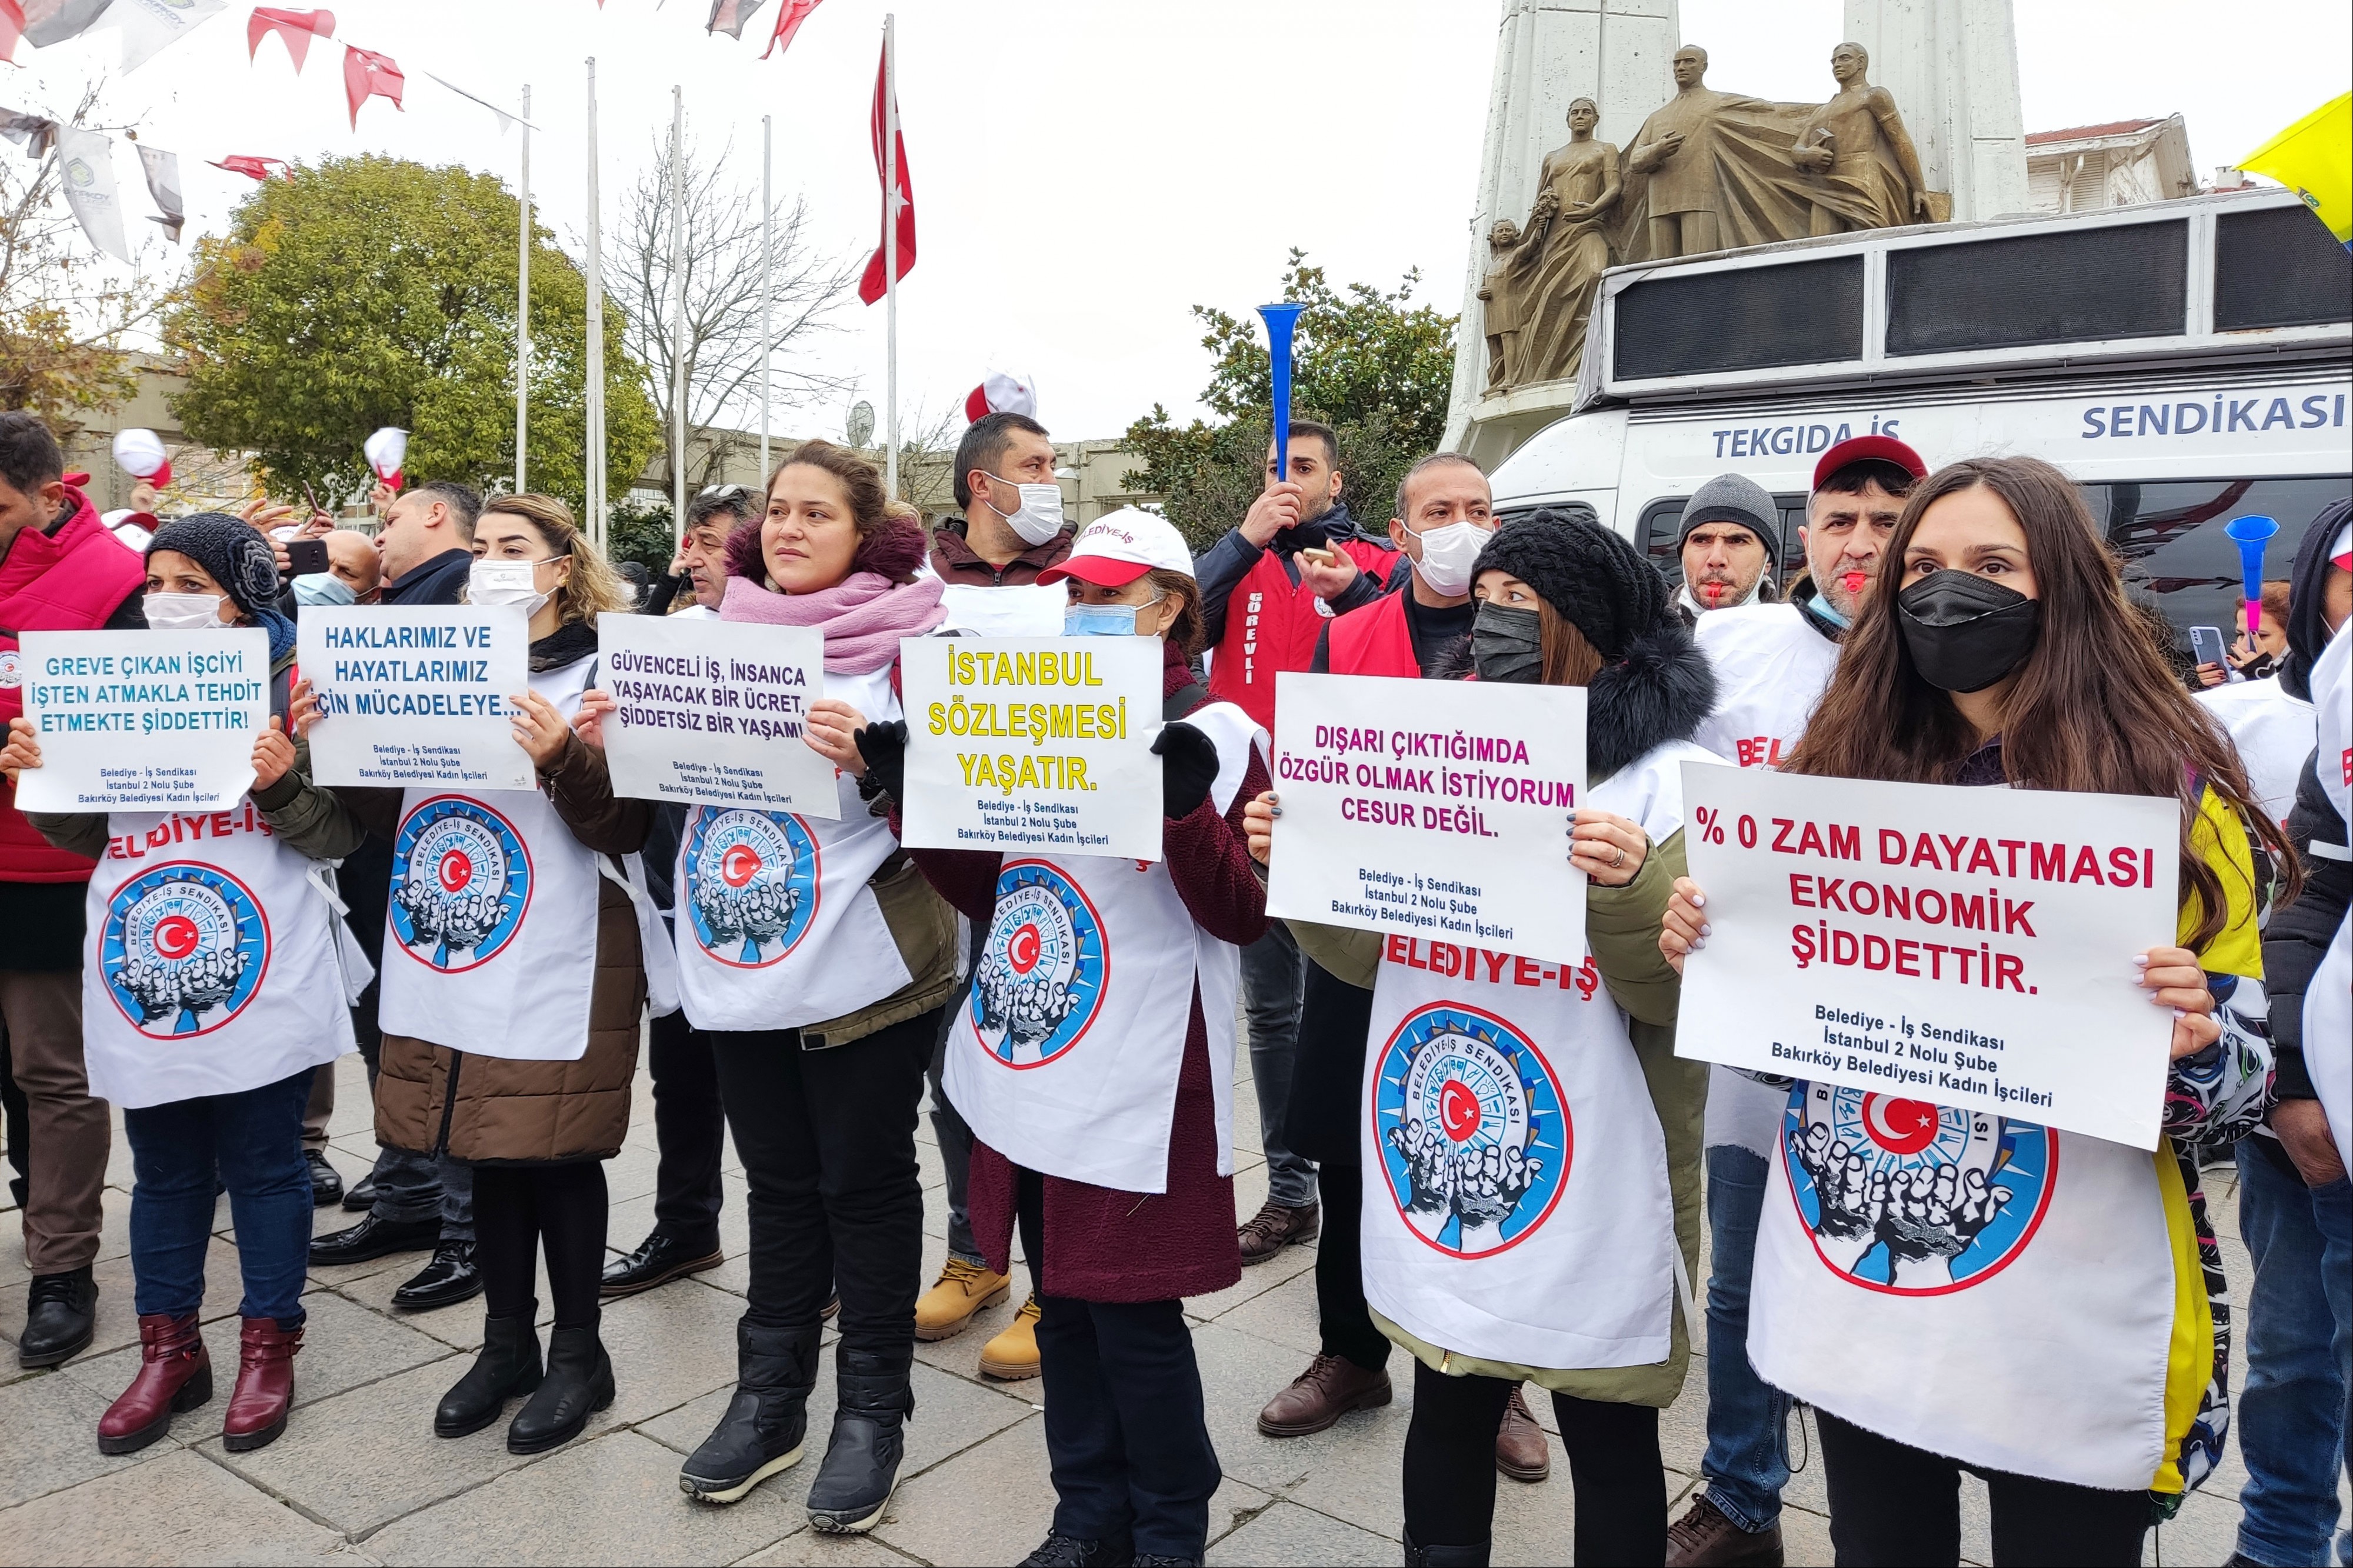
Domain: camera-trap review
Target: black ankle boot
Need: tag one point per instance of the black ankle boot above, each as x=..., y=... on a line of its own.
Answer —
x=762, y=1431
x=861, y=1461
x=579, y=1381
x=507, y=1366
x=1472, y=1556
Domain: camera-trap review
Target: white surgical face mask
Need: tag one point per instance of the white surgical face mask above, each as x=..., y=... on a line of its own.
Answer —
x=499, y=582
x=183, y=612
x=1447, y=553
x=322, y=588
x=1040, y=517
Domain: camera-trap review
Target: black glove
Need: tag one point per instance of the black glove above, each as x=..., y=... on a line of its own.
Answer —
x=884, y=747
x=1189, y=766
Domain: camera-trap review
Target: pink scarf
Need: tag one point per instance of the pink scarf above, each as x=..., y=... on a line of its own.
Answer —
x=862, y=616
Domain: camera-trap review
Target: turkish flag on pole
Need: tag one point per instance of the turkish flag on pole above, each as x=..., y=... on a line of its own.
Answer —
x=886, y=112
x=296, y=27
x=367, y=75
x=788, y=22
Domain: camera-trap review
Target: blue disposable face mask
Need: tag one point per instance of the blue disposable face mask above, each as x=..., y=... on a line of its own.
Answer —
x=1099, y=621
x=322, y=588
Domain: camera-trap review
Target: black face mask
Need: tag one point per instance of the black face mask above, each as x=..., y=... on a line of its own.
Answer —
x=1506, y=645
x=1965, y=632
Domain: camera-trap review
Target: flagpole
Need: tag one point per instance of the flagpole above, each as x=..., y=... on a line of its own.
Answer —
x=522, y=305
x=890, y=243
x=767, y=343
x=678, y=312
x=593, y=490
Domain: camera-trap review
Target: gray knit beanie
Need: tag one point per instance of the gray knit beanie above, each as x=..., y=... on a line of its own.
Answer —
x=1736, y=499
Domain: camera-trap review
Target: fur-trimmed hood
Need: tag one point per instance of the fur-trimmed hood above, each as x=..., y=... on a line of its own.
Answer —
x=1660, y=691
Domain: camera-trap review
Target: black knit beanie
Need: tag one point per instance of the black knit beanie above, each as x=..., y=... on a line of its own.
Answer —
x=228, y=548
x=1592, y=578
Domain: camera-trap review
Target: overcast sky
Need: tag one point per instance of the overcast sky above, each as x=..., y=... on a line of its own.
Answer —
x=1085, y=170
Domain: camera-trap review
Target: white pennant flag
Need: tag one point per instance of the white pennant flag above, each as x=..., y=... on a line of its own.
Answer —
x=163, y=170
x=86, y=169
x=149, y=26
x=51, y=22
x=506, y=120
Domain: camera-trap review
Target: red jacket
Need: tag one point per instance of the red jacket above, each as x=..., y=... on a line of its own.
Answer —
x=70, y=579
x=1375, y=641
x=1103, y=1244
x=1272, y=624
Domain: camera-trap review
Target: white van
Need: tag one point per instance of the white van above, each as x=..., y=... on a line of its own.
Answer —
x=2187, y=361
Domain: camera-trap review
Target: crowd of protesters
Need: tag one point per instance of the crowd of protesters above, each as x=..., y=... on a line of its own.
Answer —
x=1957, y=625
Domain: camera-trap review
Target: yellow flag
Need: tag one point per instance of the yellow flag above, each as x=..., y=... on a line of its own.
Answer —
x=2313, y=158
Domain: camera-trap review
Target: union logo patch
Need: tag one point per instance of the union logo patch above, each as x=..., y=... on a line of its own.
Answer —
x=183, y=950
x=1041, y=978
x=751, y=884
x=461, y=881
x=1474, y=1135
x=1912, y=1198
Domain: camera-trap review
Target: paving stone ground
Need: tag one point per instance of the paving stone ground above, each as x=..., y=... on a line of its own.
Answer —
x=358, y=1477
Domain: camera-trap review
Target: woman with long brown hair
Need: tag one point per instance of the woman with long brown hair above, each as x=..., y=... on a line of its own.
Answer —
x=2070, y=1341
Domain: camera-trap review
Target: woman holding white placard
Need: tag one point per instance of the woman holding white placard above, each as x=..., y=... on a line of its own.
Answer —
x=1959, y=1290
x=1531, y=1141
x=215, y=983
x=514, y=972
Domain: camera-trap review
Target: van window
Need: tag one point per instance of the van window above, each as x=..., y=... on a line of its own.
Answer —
x=2173, y=532
x=1661, y=521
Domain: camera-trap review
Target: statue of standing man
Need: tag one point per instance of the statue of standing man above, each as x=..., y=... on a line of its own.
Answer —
x=1864, y=172
x=1676, y=148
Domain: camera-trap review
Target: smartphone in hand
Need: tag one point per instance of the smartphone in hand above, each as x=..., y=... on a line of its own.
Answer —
x=2205, y=643
x=306, y=556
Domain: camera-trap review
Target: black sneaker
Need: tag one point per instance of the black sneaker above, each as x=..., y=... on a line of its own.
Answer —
x=326, y=1183
x=60, y=1316
x=449, y=1278
x=853, y=1487
x=374, y=1237
x=657, y=1261
x=1059, y=1551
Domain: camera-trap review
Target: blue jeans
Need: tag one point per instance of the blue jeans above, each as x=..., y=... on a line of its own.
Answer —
x=1275, y=981
x=254, y=1140
x=1747, y=1460
x=2293, y=1422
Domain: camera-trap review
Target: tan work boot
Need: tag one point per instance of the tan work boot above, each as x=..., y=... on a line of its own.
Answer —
x=1012, y=1355
x=946, y=1309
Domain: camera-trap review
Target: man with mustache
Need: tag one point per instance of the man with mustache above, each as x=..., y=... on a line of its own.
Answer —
x=1730, y=535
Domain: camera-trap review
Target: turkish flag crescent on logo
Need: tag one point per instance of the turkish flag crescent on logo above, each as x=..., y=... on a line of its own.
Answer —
x=367, y=75
x=869, y=288
x=296, y=27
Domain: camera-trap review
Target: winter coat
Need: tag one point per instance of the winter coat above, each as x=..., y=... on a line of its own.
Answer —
x=1104, y=1244
x=958, y=564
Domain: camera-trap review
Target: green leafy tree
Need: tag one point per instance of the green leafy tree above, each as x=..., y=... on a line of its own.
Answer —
x=367, y=291
x=639, y=529
x=1372, y=365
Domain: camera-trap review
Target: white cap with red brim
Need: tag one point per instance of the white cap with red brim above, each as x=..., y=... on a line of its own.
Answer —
x=2340, y=549
x=1120, y=546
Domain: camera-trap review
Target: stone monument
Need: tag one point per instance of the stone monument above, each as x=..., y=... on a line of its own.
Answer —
x=1867, y=171
x=1953, y=65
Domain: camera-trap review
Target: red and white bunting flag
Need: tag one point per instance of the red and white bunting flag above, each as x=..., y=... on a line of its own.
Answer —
x=297, y=27
x=871, y=287
x=367, y=75
x=728, y=16
x=788, y=22
x=12, y=28
x=246, y=163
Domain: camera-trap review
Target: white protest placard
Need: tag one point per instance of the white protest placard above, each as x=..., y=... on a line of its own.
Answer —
x=1970, y=948
x=1021, y=610
x=143, y=720
x=416, y=697
x=710, y=713
x=1033, y=744
x=1430, y=808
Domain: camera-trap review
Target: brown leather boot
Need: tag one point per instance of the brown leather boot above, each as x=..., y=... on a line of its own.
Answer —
x=1277, y=1225
x=1330, y=1387
x=175, y=1374
x=265, y=1385
x=1521, y=1451
x=1705, y=1538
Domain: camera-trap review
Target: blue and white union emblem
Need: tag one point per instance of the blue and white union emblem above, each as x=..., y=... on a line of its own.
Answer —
x=1474, y=1136
x=1041, y=978
x=461, y=881
x=751, y=883
x=183, y=950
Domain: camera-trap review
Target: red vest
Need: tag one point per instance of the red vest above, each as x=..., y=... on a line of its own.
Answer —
x=68, y=581
x=1272, y=625
x=1375, y=641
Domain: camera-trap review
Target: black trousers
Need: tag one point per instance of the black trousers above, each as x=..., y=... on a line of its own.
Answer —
x=827, y=1140
x=1127, y=1434
x=1897, y=1505
x=1613, y=1462
x=1344, y=1321
x=690, y=1128
x=518, y=1210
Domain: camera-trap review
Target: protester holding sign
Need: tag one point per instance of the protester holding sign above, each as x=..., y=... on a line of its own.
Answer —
x=1090, y=1062
x=1531, y=1143
x=215, y=979
x=816, y=959
x=514, y=972
x=1906, y=1246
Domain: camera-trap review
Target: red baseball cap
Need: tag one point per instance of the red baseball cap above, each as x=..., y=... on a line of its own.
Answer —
x=1120, y=546
x=1859, y=448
